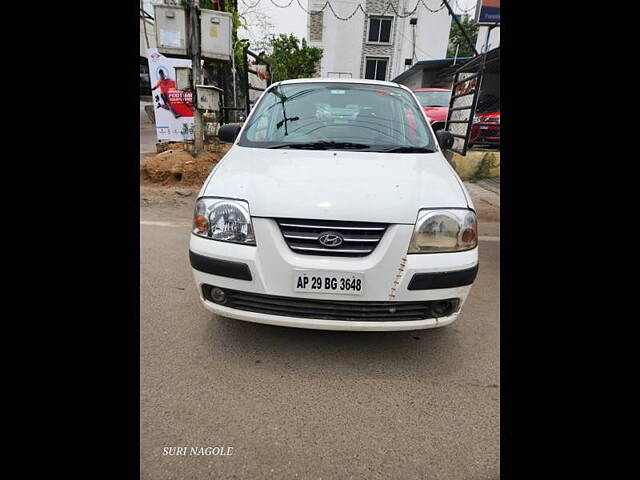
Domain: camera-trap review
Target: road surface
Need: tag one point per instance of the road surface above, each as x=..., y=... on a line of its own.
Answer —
x=296, y=403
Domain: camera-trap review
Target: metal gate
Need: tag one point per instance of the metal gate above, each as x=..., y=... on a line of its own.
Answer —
x=467, y=82
x=259, y=61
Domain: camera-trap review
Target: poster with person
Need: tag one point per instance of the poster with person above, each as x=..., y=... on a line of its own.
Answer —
x=173, y=107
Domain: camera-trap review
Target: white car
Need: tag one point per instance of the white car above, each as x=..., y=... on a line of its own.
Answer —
x=334, y=221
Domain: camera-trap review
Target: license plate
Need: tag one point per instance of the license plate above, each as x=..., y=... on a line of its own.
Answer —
x=484, y=128
x=329, y=282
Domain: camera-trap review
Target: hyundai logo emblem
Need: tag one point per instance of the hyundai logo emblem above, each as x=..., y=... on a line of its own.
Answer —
x=330, y=239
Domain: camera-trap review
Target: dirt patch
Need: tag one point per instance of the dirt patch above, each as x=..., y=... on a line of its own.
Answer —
x=177, y=167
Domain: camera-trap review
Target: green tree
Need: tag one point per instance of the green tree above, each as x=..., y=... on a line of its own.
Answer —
x=456, y=38
x=291, y=58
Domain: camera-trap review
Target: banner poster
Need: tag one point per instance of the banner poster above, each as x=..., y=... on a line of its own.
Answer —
x=173, y=107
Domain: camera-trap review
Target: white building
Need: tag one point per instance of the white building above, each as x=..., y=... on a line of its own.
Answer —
x=147, y=34
x=147, y=40
x=381, y=46
x=482, y=45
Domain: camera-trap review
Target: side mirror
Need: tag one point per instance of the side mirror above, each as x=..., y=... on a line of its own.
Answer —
x=445, y=139
x=229, y=132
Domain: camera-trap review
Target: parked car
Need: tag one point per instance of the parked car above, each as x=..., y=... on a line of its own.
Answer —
x=435, y=102
x=317, y=218
x=485, y=130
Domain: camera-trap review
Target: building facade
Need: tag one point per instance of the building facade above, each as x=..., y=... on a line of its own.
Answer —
x=482, y=44
x=380, y=45
x=147, y=40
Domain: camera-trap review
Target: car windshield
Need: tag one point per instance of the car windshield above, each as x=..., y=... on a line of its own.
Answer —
x=338, y=116
x=433, y=99
x=488, y=103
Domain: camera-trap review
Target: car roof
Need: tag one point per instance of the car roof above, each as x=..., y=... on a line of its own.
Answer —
x=337, y=80
x=430, y=90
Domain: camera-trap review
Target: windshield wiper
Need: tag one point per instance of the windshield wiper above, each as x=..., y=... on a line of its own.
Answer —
x=408, y=149
x=324, y=145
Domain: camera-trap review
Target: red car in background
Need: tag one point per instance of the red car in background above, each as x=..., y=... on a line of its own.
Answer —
x=485, y=129
x=435, y=103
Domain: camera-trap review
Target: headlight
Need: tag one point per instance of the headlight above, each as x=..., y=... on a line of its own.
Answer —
x=224, y=220
x=450, y=230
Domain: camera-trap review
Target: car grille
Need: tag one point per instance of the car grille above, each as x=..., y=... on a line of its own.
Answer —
x=490, y=132
x=330, y=309
x=359, y=238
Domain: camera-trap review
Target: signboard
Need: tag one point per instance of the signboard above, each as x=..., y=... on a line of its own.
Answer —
x=488, y=12
x=173, y=107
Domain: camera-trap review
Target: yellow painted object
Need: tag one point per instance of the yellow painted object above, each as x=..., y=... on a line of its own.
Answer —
x=476, y=164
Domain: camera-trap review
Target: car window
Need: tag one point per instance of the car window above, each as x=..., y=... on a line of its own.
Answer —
x=433, y=99
x=376, y=116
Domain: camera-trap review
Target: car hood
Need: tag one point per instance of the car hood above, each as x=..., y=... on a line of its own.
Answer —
x=436, y=114
x=336, y=185
x=484, y=116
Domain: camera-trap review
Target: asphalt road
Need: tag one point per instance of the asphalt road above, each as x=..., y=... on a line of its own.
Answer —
x=299, y=403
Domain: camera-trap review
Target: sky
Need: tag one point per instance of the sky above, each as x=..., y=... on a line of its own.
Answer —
x=285, y=20
x=293, y=19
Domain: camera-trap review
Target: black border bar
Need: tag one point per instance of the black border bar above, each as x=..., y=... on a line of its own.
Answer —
x=431, y=281
x=223, y=268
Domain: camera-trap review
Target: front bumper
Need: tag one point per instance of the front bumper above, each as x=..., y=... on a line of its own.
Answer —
x=485, y=134
x=320, y=324
x=390, y=276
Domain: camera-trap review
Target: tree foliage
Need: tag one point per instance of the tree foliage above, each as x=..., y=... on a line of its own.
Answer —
x=292, y=58
x=456, y=38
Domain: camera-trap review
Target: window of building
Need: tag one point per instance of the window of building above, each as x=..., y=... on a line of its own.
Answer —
x=376, y=68
x=339, y=74
x=379, y=29
x=315, y=26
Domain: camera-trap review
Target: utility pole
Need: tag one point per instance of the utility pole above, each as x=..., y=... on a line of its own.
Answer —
x=198, y=142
